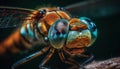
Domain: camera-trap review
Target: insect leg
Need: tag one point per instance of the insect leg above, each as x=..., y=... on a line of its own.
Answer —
x=30, y=57
x=46, y=58
x=90, y=58
x=67, y=60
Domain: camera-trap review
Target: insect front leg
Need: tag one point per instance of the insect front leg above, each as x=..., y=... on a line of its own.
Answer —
x=51, y=52
x=68, y=60
x=77, y=64
x=30, y=57
x=89, y=58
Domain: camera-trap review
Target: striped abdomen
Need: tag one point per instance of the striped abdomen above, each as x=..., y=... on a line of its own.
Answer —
x=32, y=32
x=22, y=39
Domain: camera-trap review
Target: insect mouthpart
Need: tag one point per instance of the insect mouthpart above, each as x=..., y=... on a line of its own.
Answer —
x=58, y=33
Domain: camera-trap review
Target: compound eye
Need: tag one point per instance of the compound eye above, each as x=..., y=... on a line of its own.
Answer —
x=58, y=33
x=89, y=22
x=91, y=26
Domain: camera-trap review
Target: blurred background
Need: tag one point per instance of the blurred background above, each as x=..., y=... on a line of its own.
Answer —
x=105, y=14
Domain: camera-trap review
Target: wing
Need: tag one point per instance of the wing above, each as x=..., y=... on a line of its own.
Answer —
x=95, y=8
x=13, y=16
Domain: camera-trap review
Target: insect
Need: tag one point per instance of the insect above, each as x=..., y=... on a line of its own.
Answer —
x=54, y=28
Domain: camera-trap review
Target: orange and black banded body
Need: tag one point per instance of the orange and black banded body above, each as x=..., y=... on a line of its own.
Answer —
x=57, y=30
x=33, y=31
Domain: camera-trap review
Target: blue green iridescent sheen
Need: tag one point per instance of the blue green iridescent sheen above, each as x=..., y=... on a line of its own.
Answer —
x=73, y=35
x=58, y=33
x=92, y=27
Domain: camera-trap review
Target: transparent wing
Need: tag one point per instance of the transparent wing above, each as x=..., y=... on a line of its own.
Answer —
x=13, y=17
x=95, y=8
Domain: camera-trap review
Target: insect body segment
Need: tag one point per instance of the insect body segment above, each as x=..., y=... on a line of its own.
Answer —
x=33, y=31
x=43, y=25
x=78, y=38
x=55, y=29
x=92, y=28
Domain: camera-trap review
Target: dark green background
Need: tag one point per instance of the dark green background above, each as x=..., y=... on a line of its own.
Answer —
x=106, y=46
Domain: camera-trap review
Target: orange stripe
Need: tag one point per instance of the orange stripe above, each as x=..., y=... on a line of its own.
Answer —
x=2, y=50
x=8, y=43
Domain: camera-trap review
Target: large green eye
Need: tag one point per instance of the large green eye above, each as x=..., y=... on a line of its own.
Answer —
x=92, y=27
x=58, y=33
